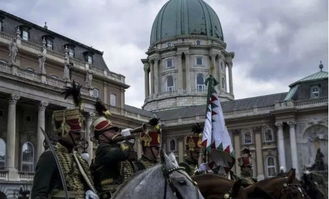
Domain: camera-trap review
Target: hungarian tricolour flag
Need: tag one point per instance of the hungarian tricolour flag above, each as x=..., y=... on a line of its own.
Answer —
x=215, y=137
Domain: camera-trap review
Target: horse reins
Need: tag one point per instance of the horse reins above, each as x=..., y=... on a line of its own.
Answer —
x=166, y=174
x=286, y=188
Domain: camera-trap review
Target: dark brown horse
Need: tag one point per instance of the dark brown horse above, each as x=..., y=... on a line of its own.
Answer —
x=285, y=187
x=213, y=186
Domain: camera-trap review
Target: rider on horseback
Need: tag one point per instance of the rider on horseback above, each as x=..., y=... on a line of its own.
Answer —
x=193, y=147
x=150, y=141
x=111, y=166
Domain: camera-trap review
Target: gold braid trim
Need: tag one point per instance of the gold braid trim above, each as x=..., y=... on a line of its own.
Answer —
x=72, y=175
x=126, y=170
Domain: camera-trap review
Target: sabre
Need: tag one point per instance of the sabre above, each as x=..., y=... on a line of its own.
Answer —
x=59, y=166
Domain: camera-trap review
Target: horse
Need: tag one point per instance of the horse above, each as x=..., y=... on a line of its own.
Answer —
x=216, y=187
x=166, y=180
x=315, y=185
x=282, y=187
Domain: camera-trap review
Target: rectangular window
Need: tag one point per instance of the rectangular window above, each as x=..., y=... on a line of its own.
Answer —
x=247, y=138
x=169, y=63
x=25, y=35
x=113, y=100
x=89, y=59
x=71, y=52
x=1, y=25
x=199, y=61
x=50, y=44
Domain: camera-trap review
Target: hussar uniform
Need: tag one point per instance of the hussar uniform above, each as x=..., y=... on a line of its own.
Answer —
x=245, y=163
x=111, y=166
x=47, y=182
x=150, y=138
x=193, y=145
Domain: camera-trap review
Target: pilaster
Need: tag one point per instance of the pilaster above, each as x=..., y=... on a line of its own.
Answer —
x=180, y=149
x=282, y=158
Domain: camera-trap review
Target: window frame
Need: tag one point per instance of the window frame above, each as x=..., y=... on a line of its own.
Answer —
x=199, y=58
x=198, y=42
x=312, y=93
x=173, y=140
x=29, y=163
x=1, y=24
x=170, y=88
x=49, y=41
x=272, y=134
x=113, y=96
x=24, y=30
x=200, y=87
x=171, y=61
x=270, y=166
x=244, y=137
x=4, y=159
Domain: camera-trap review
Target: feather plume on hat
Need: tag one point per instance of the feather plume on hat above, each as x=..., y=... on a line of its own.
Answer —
x=75, y=92
x=101, y=109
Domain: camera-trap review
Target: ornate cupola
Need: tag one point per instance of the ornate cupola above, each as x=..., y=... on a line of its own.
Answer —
x=186, y=45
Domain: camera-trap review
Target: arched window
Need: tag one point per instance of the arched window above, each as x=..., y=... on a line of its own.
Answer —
x=172, y=145
x=2, y=154
x=27, y=161
x=247, y=139
x=170, y=84
x=270, y=166
x=200, y=82
x=268, y=135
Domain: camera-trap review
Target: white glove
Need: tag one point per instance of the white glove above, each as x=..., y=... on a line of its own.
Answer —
x=126, y=132
x=203, y=167
x=85, y=156
x=91, y=195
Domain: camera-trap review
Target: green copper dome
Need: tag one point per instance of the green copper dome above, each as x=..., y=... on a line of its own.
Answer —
x=180, y=18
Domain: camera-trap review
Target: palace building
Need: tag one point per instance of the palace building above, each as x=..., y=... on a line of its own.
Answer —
x=186, y=45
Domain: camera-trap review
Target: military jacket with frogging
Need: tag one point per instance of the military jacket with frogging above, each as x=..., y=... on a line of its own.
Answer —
x=107, y=166
x=47, y=182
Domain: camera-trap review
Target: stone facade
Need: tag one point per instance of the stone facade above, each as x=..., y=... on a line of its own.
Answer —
x=33, y=74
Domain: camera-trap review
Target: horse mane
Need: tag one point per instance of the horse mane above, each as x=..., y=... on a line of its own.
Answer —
x=136, y=175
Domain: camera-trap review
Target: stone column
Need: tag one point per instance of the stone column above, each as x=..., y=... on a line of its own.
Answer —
x=259, y=155
x=152, y=79
x=293, y=146
x=230, y=65
x=156, y=77
x=282, y=158
x=187, y=72
x=180, y=149
x=237, y=150
x=179, y=67
x=41, y=125
x=146, y=79
x=11, y=137
x=89, y=121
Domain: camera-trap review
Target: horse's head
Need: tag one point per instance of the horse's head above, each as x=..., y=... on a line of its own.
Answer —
x=178, y=183
x=290, y=187
x=214, y=186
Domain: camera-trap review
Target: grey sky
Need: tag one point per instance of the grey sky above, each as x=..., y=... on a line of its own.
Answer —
x=275, y=42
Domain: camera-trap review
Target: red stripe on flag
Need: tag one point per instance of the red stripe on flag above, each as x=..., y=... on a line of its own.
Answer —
x=204, y=143
x=227, y=149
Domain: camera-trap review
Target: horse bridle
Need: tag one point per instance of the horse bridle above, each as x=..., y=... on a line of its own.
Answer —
x=166, y=174
x=286, y=187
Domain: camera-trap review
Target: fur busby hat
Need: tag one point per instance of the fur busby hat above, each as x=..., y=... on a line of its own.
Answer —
x=151, y=137
x=70, y=120
x=194, y=142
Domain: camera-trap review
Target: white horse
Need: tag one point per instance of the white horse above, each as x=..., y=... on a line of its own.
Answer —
x=163, y=181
